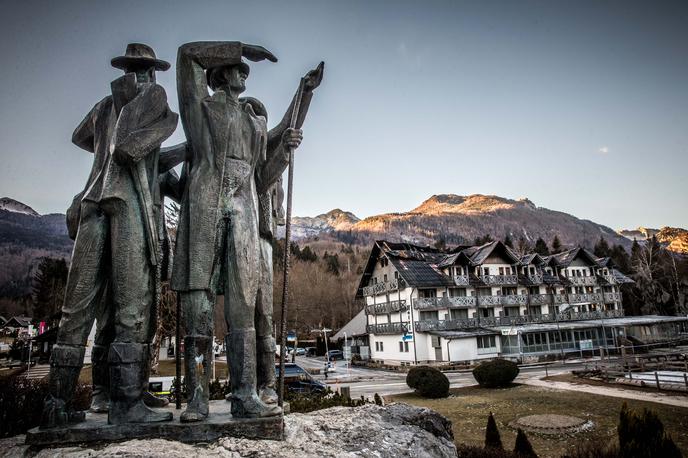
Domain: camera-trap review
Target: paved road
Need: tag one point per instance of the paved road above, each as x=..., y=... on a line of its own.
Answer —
x=367, y=382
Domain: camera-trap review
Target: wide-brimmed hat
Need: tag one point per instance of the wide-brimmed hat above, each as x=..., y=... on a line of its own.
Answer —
x=139, y=54
x=243, y=66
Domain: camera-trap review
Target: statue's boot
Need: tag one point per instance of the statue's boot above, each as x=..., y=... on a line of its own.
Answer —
x=241, y=357
x=265, y=354
x=65, y=365
x=128, y=363
x=149, y=398
x=197, y=359
x=100, y=372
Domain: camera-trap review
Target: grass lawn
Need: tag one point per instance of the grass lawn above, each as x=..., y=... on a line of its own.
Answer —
x=165, y=369
x=469, y=407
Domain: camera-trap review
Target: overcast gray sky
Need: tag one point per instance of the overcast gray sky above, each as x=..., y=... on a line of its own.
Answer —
x=580, y=106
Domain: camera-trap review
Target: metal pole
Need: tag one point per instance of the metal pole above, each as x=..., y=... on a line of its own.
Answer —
x=287, y=238
x=178, y=356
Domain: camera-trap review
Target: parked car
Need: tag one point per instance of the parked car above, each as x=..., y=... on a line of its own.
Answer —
x=311, y=351
x=334, y=354
x=297, y=380
x=300, y=352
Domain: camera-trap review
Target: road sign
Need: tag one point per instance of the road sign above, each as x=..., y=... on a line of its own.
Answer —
x=407, y=337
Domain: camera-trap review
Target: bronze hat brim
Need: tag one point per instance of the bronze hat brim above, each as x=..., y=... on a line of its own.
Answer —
x=124, y=62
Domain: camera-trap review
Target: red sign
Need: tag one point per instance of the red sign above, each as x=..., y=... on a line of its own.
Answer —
x=41, y=327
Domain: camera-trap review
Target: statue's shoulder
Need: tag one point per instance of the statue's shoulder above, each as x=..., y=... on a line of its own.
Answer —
x=104, y=104
x=257, y=105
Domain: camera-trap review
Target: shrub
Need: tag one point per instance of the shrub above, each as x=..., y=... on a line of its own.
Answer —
x=492, y=438
x=641, y=435
x=522, y=447
x=428, y=382
x=21, y=403
x=495, y=373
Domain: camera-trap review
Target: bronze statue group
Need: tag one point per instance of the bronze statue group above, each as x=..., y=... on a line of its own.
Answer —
x=230, y=194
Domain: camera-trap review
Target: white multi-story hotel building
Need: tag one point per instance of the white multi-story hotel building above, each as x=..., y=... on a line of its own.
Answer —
x=425, y=306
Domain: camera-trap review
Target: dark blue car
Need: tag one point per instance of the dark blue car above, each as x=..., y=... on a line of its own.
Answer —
x=297, y=380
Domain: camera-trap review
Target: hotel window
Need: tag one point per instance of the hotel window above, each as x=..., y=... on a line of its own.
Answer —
x=486, y=342
x=501, y=271
x=385, y=278
x=406, y=346
x=401, y=346
x=382, y=348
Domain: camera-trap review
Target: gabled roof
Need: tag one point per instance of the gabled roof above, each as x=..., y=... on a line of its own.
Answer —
x=532, y=258
x=565, y=258
x=476, y=255
x=18, y=322
x=420, y=273
x=355, y=327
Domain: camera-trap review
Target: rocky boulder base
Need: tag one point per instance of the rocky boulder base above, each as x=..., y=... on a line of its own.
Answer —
x=395, y=430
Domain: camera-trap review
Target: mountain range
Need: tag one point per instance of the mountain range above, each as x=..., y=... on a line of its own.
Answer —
x=25, y=235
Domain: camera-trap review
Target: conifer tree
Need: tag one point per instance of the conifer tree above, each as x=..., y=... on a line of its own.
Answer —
x=522, y=447
x=541, y=247
x=492, y=437
x=601, y=249
x=508, y=242
x=556, y=245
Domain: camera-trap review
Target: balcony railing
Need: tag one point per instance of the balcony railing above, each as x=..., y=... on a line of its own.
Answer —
x=559, y=299
x=488, y=301
x=611, y=279
x=514, y=299
x=612, y=297
x=582, y=281
x=540, y=299
x=584, y=298
x=461, y=280
x=535, y=278
x=386, y=307
x=387, y=328
x=499, y=279
x=454, y=325
x=383, y=287
x=426, y=303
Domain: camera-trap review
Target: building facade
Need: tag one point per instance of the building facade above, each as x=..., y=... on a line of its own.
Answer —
x=426, y=306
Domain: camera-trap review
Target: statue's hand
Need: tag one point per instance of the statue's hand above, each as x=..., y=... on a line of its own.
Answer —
x=291, y=138
x=314, y=77
x=257, y=53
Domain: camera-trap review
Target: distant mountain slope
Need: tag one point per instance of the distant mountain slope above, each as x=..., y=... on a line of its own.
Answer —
x=460, y=219
x=674, y=238
x=25, y=237
x=334, y=220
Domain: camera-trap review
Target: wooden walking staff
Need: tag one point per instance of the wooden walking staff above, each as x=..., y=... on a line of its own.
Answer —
x=178, y=357
x=287, y=237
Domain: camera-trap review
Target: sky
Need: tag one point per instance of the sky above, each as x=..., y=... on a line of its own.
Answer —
x=579, y=106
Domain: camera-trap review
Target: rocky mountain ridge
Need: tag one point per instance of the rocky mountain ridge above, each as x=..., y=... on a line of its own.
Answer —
x=11, y=205
x=674, y=238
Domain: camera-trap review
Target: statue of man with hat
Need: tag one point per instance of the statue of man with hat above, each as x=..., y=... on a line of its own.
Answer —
x=117, y=243
x=218, y=245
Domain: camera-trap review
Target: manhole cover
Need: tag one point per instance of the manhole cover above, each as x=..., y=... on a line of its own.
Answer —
x=551, y=424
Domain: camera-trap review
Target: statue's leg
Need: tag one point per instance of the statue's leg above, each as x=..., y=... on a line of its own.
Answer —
x=85, y=284
x=100, y=371
x=132, y=283
x=197, y=307
x=241, y=286
x=265, y=343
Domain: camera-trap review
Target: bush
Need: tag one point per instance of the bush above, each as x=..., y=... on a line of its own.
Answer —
x=642, y=435
x=496, y=373
x=21, y=403
x=492, y=437
x=428, y=382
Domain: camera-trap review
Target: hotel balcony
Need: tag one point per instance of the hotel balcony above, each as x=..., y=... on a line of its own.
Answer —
x=384, y=287
x=584, y=298
x=387, y=328
x=431, y=303
x=498, y=280
x=461, y=280
x=456, y=325
x=582, y=281
x=513, y=299
x=540, y=299
x=535, y=279
x=612, y=297
x=386, y=307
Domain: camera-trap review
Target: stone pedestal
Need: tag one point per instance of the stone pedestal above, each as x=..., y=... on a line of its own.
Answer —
x=220, y=423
